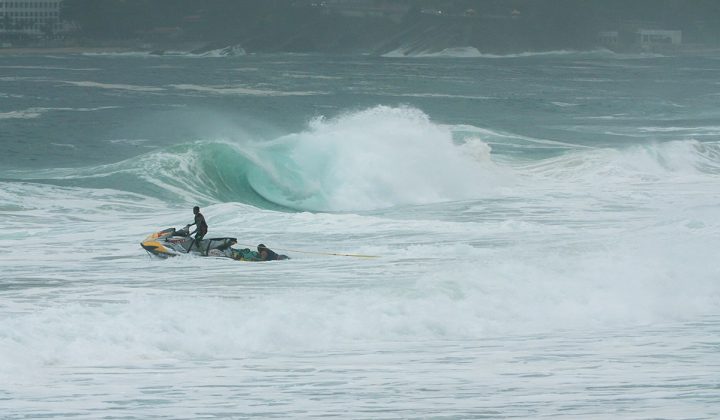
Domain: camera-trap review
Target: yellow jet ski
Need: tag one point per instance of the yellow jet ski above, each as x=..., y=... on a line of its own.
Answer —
x=171, y=242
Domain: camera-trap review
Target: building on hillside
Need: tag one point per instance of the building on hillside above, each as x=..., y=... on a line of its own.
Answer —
x=609, y=39
x=27, y=19
x=649, y=38
x=635, y=36
x=390, y=9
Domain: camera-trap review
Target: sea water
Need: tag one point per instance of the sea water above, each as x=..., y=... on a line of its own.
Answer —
x=545, y=232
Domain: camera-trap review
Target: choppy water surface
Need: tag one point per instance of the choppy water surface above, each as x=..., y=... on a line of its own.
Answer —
x=545, y=228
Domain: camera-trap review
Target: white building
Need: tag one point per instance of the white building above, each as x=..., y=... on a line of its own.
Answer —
x=653, y=37
x=29, y=18
x=609, y=38
x=391, y=9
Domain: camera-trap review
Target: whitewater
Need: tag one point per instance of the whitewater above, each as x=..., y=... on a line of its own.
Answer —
x=543, y=231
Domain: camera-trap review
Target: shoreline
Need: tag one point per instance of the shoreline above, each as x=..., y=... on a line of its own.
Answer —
x=31, y=51
x=64, y=50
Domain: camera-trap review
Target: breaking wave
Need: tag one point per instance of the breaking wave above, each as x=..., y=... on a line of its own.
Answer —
x=375, y=158
x=378, y=158
x=412, y=50
x=456, y=52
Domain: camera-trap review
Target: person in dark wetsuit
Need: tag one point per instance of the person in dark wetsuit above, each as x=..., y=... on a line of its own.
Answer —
x=267, y=254
x=201, y=229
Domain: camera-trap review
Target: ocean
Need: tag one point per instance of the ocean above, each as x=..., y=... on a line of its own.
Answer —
x=470, y=236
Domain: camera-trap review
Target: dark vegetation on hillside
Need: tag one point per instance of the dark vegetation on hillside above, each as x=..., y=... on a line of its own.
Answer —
x=305, y=26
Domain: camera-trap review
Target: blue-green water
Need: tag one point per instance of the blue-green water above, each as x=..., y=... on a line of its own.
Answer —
x=545, y=226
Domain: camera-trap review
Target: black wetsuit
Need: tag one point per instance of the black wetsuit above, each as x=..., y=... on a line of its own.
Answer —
x=202, y=227
x=272, y=255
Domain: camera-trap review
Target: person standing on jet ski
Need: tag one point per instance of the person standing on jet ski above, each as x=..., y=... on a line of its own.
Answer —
x=202, y=226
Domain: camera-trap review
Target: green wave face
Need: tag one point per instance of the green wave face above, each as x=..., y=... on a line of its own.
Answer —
x=371, y=159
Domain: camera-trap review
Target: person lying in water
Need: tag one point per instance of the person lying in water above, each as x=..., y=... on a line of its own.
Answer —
x=267, y=254
x=263, y=254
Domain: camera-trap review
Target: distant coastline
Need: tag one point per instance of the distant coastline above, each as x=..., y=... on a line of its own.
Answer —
x=183, y=50
x=64, y=50
x=390, y=28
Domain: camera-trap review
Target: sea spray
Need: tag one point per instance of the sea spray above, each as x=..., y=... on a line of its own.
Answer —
x=375, y=158
x=578, y=279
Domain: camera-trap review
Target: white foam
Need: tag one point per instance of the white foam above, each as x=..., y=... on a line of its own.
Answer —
x=440, y=95
x=25, y=114
x=375, y=158
x=587, y=244
x=712, y=130
x=114, y=86
x=139, y=54
x=302, y=75
x=31, y=113
x=492, y=136
x=680, y=161
x=564, y=104
x=472, y=52
x=49, y=68
x=132, y=142
x=231, y=51
x=455, y=52
x=431, y=283
x=242, y=91
x=17, y=78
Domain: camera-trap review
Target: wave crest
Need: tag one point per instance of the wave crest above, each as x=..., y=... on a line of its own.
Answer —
x=364, y=160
